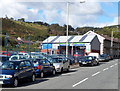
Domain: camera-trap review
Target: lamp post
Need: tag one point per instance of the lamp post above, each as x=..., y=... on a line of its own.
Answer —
x=68, y=3
x=67, y=28
x=6, y=43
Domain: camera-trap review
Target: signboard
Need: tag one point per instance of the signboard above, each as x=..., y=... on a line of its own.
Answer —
x=72, y=44
x=46, y=46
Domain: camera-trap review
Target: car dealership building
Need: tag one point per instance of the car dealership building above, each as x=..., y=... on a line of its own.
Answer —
x=79, y=44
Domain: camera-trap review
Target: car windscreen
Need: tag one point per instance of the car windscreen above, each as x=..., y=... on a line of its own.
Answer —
x=3, y=59
x=8, y=66
x=57, y=60
x=88, y=58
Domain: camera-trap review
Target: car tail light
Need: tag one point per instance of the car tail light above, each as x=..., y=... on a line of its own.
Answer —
x=39, y=67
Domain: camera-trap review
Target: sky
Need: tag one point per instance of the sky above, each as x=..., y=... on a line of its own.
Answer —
x=93, y=13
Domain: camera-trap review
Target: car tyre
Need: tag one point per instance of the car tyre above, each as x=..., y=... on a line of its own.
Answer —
x=41, y=74
x=92, y=64
x=98, y=63
x=54, y=72
x=61, y=70
x=68, y=69
x=81, y=65
x=33, y=78
x=15, y=82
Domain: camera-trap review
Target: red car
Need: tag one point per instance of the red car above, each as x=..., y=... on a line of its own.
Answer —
x=5, y=53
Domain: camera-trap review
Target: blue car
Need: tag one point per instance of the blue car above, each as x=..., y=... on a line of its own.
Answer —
x=43, y=66
x=13, y=71
x=88, y=60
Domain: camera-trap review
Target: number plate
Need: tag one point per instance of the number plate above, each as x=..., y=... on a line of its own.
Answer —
x=84, y=63
x=1, y=82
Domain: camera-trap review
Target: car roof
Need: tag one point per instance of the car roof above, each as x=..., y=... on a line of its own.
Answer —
x=19, y=60
x=4, y=56
x=58, y=57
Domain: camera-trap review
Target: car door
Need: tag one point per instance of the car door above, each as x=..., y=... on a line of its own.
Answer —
x=64, y=63
x=29, y=68
x=22, y=70
x=44, y=66
x=49, y=66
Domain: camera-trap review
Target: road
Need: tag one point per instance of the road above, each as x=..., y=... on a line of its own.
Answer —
x=104, y=76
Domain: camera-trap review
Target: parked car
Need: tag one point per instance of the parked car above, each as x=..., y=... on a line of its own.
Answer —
x=88, y=60
x=61, y=64
x=5, y=53
x=13, y=71
x=17, y=57
x=43, y=66
x=94, y=54
x=104, y=57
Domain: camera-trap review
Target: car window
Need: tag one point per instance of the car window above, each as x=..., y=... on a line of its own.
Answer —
x=3, y=59
x=14, y=58
x=35, y=62
x=8, y=66
x=27, y=63
x=90, y=58
x=22, y=65
x=57, y=60
x=47, y=62
x=43, y=61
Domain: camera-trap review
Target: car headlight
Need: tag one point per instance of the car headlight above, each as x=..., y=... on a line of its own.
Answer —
x=89, y=61
x=57, y=66
x=8, y=76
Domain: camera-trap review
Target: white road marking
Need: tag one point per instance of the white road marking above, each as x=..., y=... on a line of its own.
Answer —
x=80, y=82
x=105, y=69
x=116, y=64
x=112, y=66
x=95, y=73
x=68, y=73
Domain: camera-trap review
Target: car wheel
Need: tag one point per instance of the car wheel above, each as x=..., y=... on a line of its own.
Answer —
x=92, y=64
x=68, y=69
x=80, y=65
x=41, y=74
x=33, y=78
x=54, y=72
x=98, y=63
x=61, y=70
x=15, y=83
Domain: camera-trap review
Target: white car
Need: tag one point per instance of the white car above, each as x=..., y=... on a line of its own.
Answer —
x=61, y=64
x=17, y=57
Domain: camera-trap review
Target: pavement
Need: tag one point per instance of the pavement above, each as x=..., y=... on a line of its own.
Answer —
x=104, y=76
x=76, y=65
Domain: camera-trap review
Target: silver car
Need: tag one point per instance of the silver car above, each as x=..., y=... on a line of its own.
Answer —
x=61, y=64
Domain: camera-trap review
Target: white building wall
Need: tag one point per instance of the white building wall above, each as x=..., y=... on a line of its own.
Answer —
x=55, y=46
x=88, y=47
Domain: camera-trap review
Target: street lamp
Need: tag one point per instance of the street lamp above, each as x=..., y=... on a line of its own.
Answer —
x=67, y=28
x=68, y=25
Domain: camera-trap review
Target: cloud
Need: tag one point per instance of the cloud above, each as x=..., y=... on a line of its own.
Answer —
x=80, y=14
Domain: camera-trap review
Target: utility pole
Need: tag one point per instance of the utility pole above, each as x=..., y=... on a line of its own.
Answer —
x=111, y=43
x=29, y=46
x=6, y=43
x=67, y=28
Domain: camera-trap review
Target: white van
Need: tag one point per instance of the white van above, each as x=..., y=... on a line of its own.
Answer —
x=94, y=54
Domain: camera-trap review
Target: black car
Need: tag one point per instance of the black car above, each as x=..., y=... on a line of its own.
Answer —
x=104, y=57
x=43, y=66
x=13, y=71
x=88, y=60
